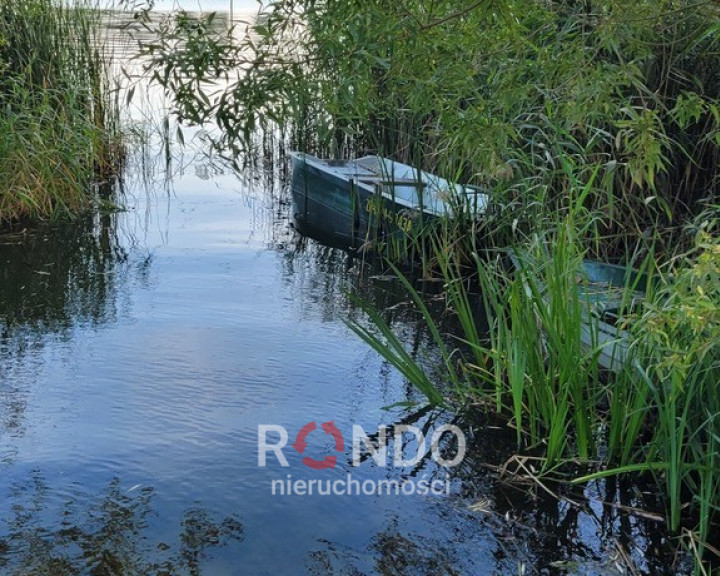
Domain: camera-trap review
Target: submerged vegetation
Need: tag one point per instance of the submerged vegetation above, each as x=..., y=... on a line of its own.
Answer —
x=595, y=127
x=58, y=116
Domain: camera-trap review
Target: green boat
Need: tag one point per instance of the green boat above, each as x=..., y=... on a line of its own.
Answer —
x=357, y=202
x=608, y=292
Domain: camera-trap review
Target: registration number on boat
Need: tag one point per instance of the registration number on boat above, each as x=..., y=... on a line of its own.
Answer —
x=378, y=207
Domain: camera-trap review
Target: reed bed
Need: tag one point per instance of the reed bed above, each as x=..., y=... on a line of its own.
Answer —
x=59, y=119
x=659, y=415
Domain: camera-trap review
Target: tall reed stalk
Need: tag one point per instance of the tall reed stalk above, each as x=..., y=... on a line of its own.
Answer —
x=671, y=389
x=58, y=117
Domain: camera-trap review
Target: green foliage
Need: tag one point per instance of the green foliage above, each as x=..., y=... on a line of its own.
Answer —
x=495, y=92
x=58, y=124
x=659, y=414
x=532, y=363
x=677, y=348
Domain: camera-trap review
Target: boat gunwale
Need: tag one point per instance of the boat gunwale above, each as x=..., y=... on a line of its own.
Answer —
x=432, y=183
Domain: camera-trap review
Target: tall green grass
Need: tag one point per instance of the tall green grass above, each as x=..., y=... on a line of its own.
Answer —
x=531, y=364
x=658, y=414
x=59, y=131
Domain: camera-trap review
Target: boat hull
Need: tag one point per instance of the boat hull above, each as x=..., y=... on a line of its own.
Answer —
x=359, y=203
x=324, y=202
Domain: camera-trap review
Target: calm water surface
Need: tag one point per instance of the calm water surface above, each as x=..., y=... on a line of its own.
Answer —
x=140, y=351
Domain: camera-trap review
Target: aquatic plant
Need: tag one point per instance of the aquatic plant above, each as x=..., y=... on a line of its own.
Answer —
x=58, y=116
x=659, y=414
x=669, y=411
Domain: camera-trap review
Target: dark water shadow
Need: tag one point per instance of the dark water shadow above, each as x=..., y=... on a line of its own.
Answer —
x=107, y=534
x=53, y=280
x=56, y=277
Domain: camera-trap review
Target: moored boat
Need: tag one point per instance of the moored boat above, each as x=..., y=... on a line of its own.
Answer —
x=356, y=202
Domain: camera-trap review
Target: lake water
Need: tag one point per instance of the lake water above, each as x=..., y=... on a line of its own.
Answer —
x=139, y=354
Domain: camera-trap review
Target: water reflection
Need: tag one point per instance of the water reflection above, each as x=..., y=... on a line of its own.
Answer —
x=55, y=278
x=52, y=281
x=104, y=534
x=98, y=296
x=394, y=554
x=98, y=290
x=175, y=357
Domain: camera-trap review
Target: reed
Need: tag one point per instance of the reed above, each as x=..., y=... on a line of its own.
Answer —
x=58, y=118
x=671, y=383
x=659, y=415
x=380, y=336
x=531, y=360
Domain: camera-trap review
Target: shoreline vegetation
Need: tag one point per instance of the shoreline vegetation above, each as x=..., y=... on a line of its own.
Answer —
x=59, y=117
x=595, y=127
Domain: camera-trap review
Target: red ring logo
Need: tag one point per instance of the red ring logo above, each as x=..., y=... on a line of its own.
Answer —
x=328, y=461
